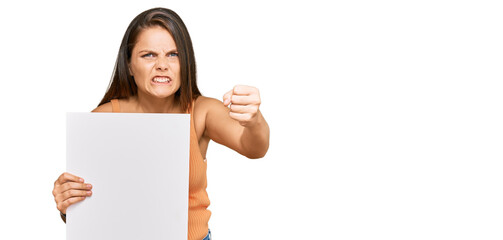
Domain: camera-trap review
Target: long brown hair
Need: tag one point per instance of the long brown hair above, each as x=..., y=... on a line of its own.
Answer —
x=122, y=84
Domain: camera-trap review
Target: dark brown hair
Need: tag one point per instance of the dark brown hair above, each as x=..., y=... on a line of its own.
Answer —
x=122, y=84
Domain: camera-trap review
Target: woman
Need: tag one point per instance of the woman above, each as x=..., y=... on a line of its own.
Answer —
x=155, y=72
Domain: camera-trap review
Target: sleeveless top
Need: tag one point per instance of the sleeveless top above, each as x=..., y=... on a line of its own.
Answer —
x=199, y=215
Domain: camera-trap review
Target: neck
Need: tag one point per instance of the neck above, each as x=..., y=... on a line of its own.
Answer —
x=150, y=104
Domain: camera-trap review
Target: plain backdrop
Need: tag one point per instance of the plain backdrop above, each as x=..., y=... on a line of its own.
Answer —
x=385, y=116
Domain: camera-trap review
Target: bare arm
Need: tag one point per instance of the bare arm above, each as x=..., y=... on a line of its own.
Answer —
x=241, y=127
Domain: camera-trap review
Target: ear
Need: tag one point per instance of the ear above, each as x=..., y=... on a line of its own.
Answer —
x=129, y=69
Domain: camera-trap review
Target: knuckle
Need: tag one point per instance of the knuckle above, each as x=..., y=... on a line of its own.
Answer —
x=67, y=194
x=60, y=206
x=64, y=187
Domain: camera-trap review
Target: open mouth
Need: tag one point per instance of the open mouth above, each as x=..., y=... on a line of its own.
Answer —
x=161, y=80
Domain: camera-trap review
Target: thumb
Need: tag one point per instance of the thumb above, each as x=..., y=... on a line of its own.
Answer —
x=227, y=97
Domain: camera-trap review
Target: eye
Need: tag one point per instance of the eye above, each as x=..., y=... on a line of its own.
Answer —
x=148, y=55
x=173, y=54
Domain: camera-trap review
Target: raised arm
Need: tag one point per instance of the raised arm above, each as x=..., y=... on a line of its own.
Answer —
x=241, y=126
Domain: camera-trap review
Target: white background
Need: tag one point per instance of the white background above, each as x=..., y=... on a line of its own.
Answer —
x=385, y=116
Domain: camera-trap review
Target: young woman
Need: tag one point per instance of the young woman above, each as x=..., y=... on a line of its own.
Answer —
x=155, y=72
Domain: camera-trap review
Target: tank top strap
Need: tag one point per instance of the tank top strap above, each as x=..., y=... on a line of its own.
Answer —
x=116, y=108
x=190, y=111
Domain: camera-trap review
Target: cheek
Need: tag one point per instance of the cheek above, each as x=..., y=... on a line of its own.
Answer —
x=138, y=74
x=176, y=69
x=140, y=70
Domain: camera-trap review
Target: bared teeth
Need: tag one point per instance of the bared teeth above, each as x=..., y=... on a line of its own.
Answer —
x=161, y=79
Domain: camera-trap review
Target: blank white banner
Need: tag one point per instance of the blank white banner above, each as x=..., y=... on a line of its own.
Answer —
x=138, y=165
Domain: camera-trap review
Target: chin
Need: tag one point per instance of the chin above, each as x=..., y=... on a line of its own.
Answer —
x=163, y=94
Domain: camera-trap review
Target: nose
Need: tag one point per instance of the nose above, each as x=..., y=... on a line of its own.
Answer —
x=162, y=64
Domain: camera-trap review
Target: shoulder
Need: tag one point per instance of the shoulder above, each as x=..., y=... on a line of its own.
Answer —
x=106, y=107
x=204, y=109
x=203, y=105
x=205, y=102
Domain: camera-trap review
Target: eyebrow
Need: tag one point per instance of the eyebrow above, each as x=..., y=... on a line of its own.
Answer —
x=148, y=51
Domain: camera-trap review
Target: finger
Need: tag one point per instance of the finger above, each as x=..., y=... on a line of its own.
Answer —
x=65, y=177
x=227, y=97
x=73, y=185
x=73, y=193
x=244, y=100
x=244, y=108
x=62, y=206
x=70, y=185
x=244, y=90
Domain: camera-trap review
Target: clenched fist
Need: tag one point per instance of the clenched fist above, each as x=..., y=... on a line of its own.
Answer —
x=244, y=101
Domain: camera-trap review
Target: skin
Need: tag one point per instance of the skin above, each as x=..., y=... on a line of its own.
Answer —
x=236, y=122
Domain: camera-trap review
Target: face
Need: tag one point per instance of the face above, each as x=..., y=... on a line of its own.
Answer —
x=154, y=63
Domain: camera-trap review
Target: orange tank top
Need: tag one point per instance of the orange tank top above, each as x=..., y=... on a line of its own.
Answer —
x=199, y=215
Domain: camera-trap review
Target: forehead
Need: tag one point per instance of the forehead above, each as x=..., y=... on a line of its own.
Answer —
x=155, y=38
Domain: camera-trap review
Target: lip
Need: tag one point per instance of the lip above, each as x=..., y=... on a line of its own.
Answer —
x=170, y=80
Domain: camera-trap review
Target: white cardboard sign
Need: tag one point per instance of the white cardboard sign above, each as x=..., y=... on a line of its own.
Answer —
x=138, y=165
